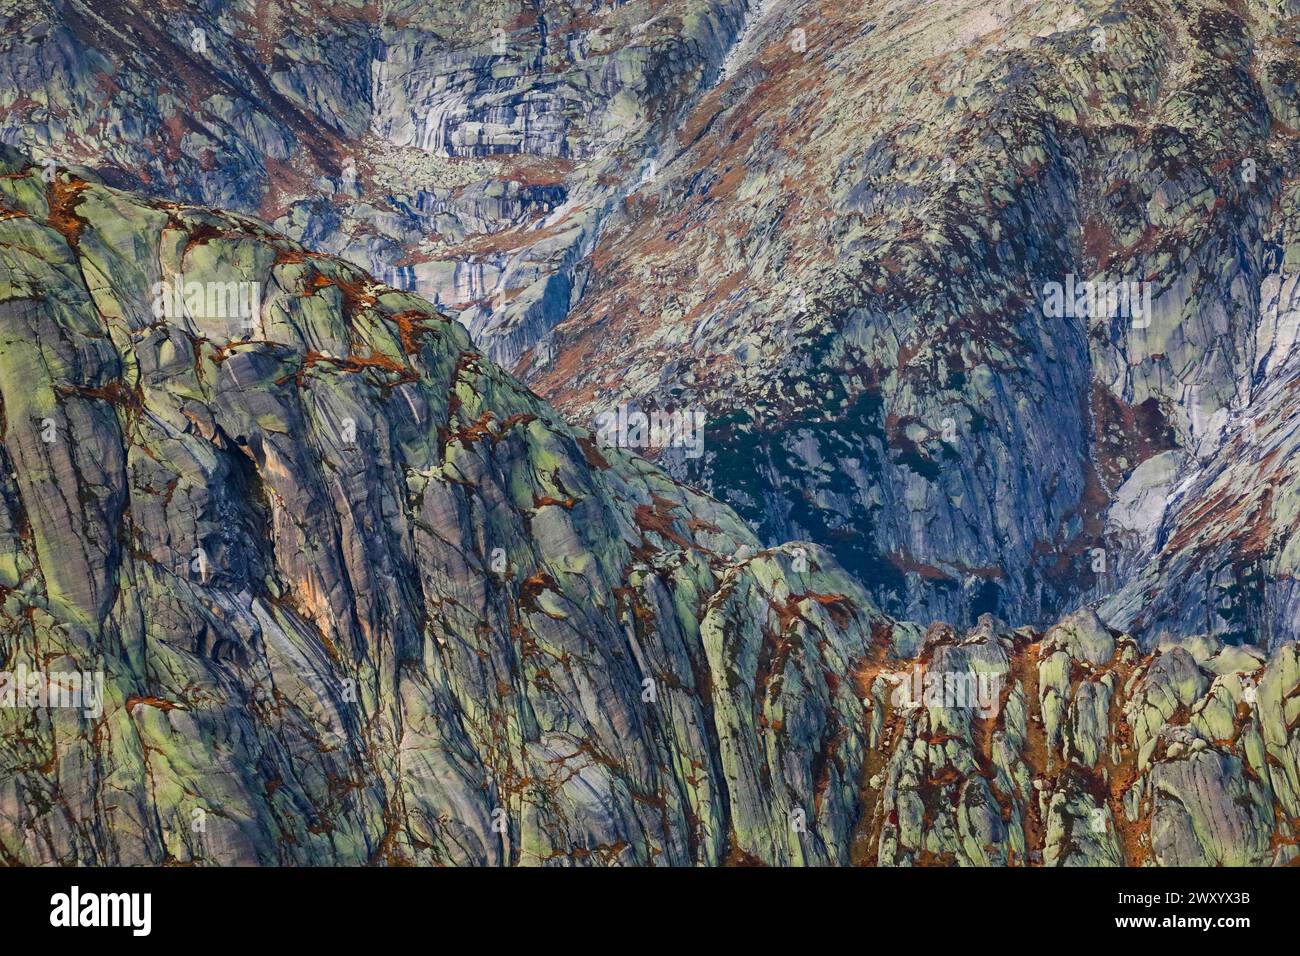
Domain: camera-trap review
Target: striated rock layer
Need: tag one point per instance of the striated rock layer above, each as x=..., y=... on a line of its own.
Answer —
x=359, y=596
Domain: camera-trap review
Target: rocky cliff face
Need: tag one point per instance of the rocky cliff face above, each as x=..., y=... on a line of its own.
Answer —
x=468, y=152
x=828, y=227
x=321, y=504
x=358, y=596
x=845, y=260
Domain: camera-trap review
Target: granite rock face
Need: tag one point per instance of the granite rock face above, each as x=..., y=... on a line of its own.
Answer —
x=357, y=595
x=1093, y=755
x=833, y=229
x=466, y=151
x=856, y=257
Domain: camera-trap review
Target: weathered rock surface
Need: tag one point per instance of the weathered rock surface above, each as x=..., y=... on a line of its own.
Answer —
x=829, y=225
x=843, y=257
x=360, y=596
x=469, y=152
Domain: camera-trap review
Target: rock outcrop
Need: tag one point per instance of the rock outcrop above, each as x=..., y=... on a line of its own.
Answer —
x=848, y=257
x=467, y=152
x=357, y=595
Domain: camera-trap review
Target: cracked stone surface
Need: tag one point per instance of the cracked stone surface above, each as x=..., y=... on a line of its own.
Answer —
x=358, y=595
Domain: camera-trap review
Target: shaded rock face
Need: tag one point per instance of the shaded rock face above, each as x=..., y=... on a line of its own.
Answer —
x=356, y=595
x=848, y=257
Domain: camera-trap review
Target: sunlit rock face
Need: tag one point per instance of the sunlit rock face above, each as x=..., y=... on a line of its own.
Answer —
x=355, y=594
x=347, y=592
x=330, y=532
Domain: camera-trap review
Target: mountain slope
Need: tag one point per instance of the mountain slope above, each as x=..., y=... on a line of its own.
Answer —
x=829, y=229
x=466, y=151
x=359, y=596
x=845, y=256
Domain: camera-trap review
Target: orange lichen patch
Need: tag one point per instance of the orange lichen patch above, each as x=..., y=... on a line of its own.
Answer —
x=787, y=613
x=487, y=425
x=586, y=748
x=204, y=232
x=286, y=256
x=1133, y=837
x=360, y=293
x=734, y=856
x=591, y=453
x=353, y=363
x=477, y=429
x=983, y=730
x=659, y=520
x=386, y=853
x=115, y=393
x=465, y=361
x=1254, y=544
x=541, y=501
x=412, y=327
x=317, y=282
x=63, y=197
x=417, y=256
x=699, y=524
x=865, y=671
x=159, y=702
x=356, y=362
x=642, y=612
x=533, y=586
x=770, y=677
x=519, y=418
